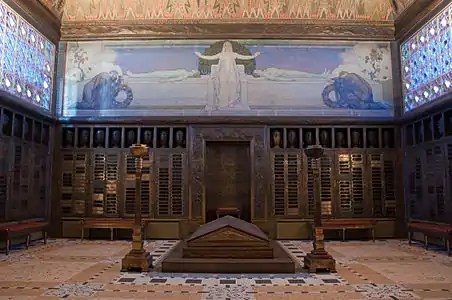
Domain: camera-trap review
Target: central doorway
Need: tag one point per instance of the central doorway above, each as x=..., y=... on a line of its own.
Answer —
x=228, y=178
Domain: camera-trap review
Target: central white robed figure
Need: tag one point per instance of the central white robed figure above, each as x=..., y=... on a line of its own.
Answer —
x=226, y=79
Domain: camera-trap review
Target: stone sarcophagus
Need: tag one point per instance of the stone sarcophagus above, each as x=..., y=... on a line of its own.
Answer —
x=228, y=237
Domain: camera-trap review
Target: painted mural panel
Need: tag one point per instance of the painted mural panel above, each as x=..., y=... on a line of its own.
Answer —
x=243, y=77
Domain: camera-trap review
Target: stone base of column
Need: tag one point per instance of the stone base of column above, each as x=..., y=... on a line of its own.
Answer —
x=137, y=261
x=319, y=260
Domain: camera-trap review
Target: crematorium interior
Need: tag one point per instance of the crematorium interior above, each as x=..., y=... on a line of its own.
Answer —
x=299, y=149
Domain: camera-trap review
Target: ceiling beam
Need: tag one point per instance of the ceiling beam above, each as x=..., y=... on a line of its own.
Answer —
x=415, y=16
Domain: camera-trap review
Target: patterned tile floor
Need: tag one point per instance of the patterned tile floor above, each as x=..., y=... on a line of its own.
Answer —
x=72, y=269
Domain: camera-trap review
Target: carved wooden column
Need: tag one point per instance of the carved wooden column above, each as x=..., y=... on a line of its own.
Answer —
x=318, y=259
x=137, y=259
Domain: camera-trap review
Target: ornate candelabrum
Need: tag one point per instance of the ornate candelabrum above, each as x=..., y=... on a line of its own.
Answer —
x=318, y=259
x=137, y=259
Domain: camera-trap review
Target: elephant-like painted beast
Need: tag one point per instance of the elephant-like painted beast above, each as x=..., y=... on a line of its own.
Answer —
x=352, y=92
x=101, y=92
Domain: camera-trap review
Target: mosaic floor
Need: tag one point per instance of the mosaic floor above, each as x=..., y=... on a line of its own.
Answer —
x=72, y=269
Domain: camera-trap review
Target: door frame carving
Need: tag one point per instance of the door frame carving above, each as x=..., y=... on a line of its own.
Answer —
x=199, y=135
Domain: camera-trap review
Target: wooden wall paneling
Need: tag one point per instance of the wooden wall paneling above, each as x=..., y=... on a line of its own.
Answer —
x=310, y=199
x=428, y=178
x=147, y=185
x=97, y=189
x=26, y=180
x=15, y=192
x=349, y=171
x=113, y=187
x=287, y=182
x=278, y=183
x=128, y=185
x=4, y=171
x=68, y=184
x=82, y=181
x=163, y=200
x=326, y=183
x=178, y=163
x=415, y=188
x=170, y=173
x=448, y=154
x=390, y=196
x=306, y=187
x=375, y=178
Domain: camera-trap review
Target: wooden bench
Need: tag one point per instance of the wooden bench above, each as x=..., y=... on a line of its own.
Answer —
x=432, y=229
x=24, y=228
x=350, y=224
x=111, y=224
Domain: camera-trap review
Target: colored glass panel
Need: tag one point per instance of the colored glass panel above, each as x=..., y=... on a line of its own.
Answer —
x=426, y=59
x=27, y=59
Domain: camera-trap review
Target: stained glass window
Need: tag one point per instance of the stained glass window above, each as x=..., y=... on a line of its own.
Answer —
x=427, y=62
x=26, y=59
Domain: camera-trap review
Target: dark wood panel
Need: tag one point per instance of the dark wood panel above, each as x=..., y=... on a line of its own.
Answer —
x=25, y=165
x=228, y=172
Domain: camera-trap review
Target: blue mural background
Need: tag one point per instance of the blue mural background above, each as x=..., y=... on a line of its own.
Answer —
x=244, y=77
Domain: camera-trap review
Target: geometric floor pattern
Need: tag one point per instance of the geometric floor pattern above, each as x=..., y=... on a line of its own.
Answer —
x=74, y=269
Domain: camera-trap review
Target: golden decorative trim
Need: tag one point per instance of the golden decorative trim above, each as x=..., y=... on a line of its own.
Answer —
x=283, y=29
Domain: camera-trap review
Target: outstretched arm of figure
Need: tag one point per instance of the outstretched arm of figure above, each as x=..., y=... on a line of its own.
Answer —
x=246, y=57
x=208, y=57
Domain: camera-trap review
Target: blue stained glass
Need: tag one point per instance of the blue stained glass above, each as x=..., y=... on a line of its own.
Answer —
x=445, y=41
x=22, y=30
x=31, y=37
x=9, y=61
x=432, y=50
x=423, y=56
x=19, y=67
x=416, y=80
x=446, y=63
x=426, y=60
x=27, y=54
x=405, y=51
x=11, y=21
x=2, y=12
x=10, y=40
x=21, y=49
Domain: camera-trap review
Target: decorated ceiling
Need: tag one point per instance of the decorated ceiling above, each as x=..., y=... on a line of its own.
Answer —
x=220, y=11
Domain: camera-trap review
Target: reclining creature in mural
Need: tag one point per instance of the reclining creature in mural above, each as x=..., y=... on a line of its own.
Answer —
x=102, y=90
x=352, y=92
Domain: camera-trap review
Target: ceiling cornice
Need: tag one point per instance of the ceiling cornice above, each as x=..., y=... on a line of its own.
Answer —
x=337, y=30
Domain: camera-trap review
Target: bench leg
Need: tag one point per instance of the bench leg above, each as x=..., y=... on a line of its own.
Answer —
x=7, y=245
x=448, y=242
x=111, y=234
x=373, y=234
x=343, y=234
x=82, y=236
x=44, y=237
x=425, y=241
x=27, y=241
x=410, y=236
